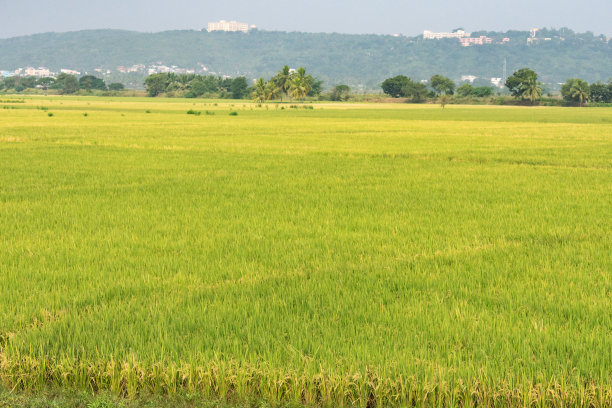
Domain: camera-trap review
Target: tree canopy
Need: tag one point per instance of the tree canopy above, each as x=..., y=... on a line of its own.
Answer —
x=601, y=92
x=442, y=85
x=340, y=93
x=286, y=83
x=89, y=82
x=156, y=84
x=477, y=91
x=524, y=84
x=403, y=86
x=239, y=88
x=394, y=87
x=576, y=90
x=66, y=83
x=116, y=86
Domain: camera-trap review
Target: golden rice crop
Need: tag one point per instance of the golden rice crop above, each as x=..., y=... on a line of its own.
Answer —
x=344, y=255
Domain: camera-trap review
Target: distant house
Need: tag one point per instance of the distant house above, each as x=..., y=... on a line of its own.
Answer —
x=464, y=38
x=40, y=72
x=466, y=42
x=430, y=35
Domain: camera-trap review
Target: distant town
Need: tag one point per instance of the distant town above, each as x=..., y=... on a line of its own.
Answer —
x=157, y=68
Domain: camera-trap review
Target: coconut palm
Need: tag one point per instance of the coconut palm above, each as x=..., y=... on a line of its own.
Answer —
x=283, y=80
x=271, y=91
x=300, y=85
x=580, y=91
x=532, y=90
x=259, y=91
x=576, y=90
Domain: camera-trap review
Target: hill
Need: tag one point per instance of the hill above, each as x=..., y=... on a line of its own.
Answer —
x=358, y=60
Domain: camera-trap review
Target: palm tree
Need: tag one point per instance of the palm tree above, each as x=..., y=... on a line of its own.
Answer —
x=283, y=80
x=300, y=85
x=532, y=89
x=259, y=91
x=576, y=90
x=580, y=90
x=271, y=91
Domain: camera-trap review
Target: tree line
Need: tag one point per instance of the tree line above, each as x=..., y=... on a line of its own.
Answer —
x=438, y=85
x=194, y=86
x=286, y=83
x=63, y=83
x=522, y=85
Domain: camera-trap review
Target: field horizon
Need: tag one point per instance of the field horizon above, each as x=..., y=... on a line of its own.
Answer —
x=318, y=254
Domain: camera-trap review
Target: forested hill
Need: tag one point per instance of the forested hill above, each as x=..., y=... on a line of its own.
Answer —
x=336, y=58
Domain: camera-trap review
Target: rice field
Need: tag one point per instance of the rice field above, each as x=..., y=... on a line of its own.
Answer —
x=320, y=255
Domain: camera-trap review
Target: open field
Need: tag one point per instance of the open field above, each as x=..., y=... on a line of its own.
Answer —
x=368, y=255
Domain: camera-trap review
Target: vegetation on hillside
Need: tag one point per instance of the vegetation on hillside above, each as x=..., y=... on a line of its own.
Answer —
x=360, y=61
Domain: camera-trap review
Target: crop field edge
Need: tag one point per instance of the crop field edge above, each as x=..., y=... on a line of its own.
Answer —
x=241, y=383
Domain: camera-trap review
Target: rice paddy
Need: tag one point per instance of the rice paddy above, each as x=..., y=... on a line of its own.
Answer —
x=338, y=255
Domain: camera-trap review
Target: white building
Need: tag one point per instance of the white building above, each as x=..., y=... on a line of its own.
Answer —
x=466, y=42
x=37, y=72
x=69, y=71
x=430, y=35
x=498, y=82
x=231, y=26
x=468, y=78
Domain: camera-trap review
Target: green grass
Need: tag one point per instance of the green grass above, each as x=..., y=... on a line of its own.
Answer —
x=344, y=255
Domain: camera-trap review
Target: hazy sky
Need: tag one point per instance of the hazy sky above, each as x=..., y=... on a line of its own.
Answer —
x=409, y=17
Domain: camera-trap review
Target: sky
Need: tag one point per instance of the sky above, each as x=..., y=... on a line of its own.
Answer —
x=408, y=17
